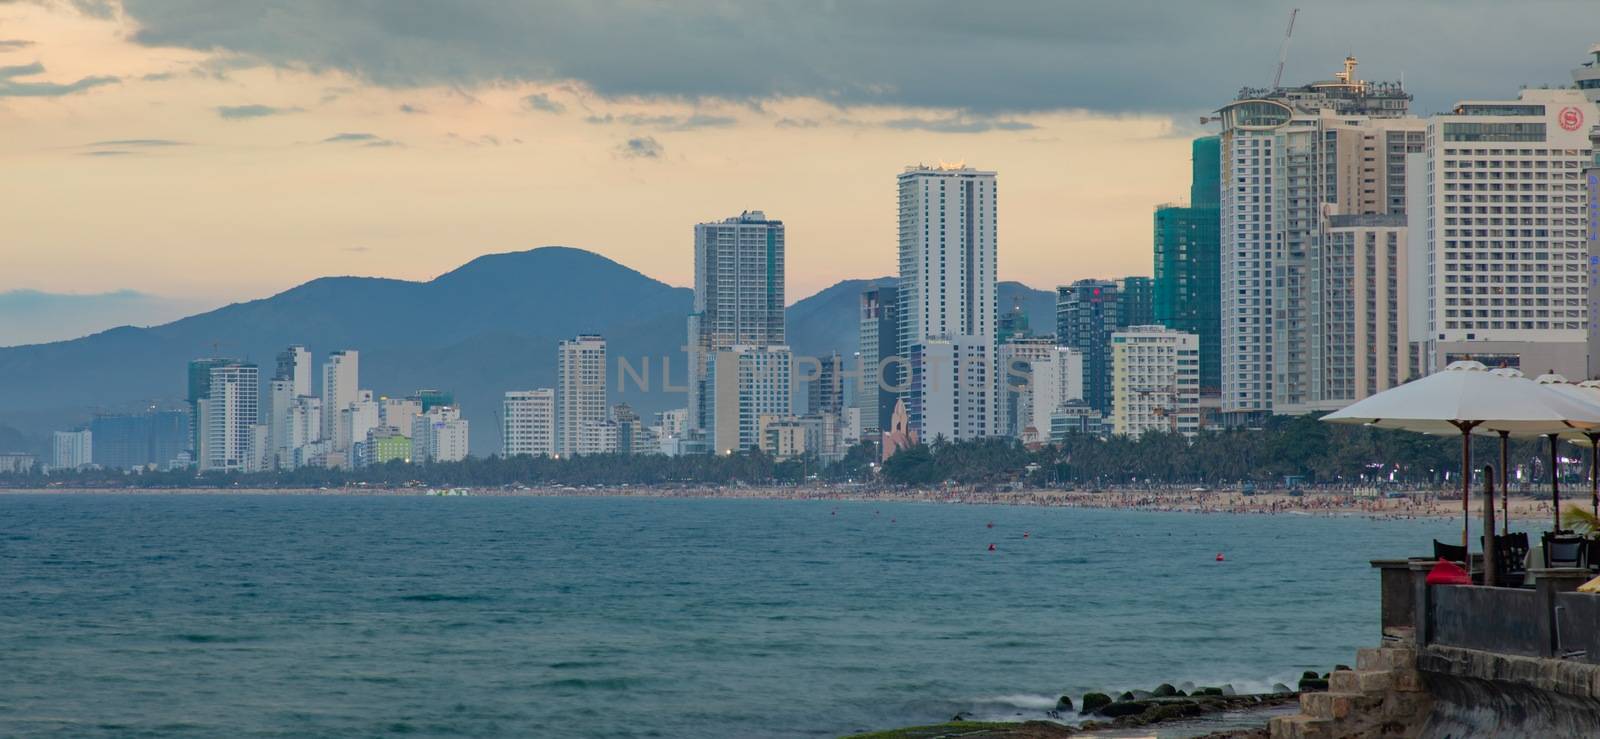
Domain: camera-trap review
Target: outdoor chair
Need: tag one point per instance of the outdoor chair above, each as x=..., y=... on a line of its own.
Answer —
x=1449, y=552
x=1564, y=550
x=1511, y=555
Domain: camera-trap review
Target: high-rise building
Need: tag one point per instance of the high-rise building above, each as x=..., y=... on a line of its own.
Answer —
x=580, y=388
x=1503, y=232
x=880, y=345
x=598, y=437
x=1055, y=385
x=825, y=394
x=1188, y=262
x=747, y=382
x=1587, y=77
x=397, y=413
x=199, y=386
x=294, y=365
x=738, y=296
x=341, y=380
x=1287, y=155
x=229, y=414
x=1087, y=314
x=128, y=441
x=957, y=387
x=383, y=445
x=1014, y=380
x=359, y=417
x=530, y=423
x=1365, y=335
x=439, y=435
x=73, y=449
x=1136, y=301
x=948, y=257
x=1155, y=381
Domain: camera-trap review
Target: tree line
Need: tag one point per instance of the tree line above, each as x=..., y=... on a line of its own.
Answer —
x=1285, y=449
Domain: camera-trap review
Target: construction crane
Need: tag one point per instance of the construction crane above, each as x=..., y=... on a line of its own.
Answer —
x=1283, y=49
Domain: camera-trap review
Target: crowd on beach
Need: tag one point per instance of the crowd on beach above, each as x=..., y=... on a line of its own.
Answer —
x=1330, y=501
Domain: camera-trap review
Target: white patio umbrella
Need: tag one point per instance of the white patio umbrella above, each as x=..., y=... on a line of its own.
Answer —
x=1588, y=392
x=1464, y=397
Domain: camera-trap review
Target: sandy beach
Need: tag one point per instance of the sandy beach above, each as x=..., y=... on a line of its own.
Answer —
x=1414, y=504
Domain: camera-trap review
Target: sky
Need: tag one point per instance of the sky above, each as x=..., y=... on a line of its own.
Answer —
x=198, y=152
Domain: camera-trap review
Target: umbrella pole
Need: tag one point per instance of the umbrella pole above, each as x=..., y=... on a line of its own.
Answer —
x=1505, y=492
x=1594, y=470
x=1490, y=546
x=1466, y=482
x=1555, y=485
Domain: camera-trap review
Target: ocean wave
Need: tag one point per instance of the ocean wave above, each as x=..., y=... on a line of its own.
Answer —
x=1022, y=700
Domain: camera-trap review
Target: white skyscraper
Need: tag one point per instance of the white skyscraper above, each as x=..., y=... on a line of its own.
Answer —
x=290, y=382
x=228, y=418
x=530, y=423
x=580, y=388
x=948, y=259
x=957, y=384
x=359, y=417
x=747, y=382
x=341, y=378
x=73, y=449
x=1587, y=77
x=1290, y=156
x=738, y=296
x=1056, y=381
x=440, y=435
x=1503, y=234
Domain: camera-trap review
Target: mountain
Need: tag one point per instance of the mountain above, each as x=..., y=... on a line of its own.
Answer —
x=490, y=326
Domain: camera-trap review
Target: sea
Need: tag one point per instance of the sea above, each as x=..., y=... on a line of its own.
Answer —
x=367, y=616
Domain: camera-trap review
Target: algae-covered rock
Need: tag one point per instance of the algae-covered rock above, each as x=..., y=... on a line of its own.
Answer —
x=1164, y=690
x=1064, y=703
x=1093, y=702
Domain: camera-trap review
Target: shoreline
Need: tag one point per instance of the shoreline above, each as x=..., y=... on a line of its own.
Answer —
x=1417, y=505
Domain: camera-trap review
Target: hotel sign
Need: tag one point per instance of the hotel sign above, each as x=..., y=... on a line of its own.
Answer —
x=1570, y=118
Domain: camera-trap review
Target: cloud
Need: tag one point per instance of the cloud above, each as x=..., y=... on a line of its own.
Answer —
x=541, y=101
x=643, y=147
x=1014, y=56
x=138, y=142
x=412, y=109
x=12, y=44
x=797, y=123
x=242, y=112
x=960, y=123
x=665, y=122
x=11, y=87
x=158, y=77
x=362, y=138
x=106, y=153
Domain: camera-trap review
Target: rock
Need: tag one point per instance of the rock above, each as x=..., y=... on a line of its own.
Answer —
x=1124, y=708
x=1126, y=696
x=1208, y=691
x=1308, y=685
x=1280, y=688
x=1337, y=668
x=1308, y=675
x=1140, y=695
x=1229, y=691
x=1064, y=703
x=1164, y=690
x=1093, y=702
x=962, y=716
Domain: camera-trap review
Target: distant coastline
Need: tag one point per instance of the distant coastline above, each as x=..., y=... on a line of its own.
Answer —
x=1420, y=504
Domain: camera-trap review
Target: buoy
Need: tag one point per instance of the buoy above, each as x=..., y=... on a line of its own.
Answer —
x=1219, y=556
x=991, y=547
x=1024, y=534
x=990, y=526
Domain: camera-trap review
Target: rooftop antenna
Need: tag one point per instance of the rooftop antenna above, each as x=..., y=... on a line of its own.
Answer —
x=1283, y=48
